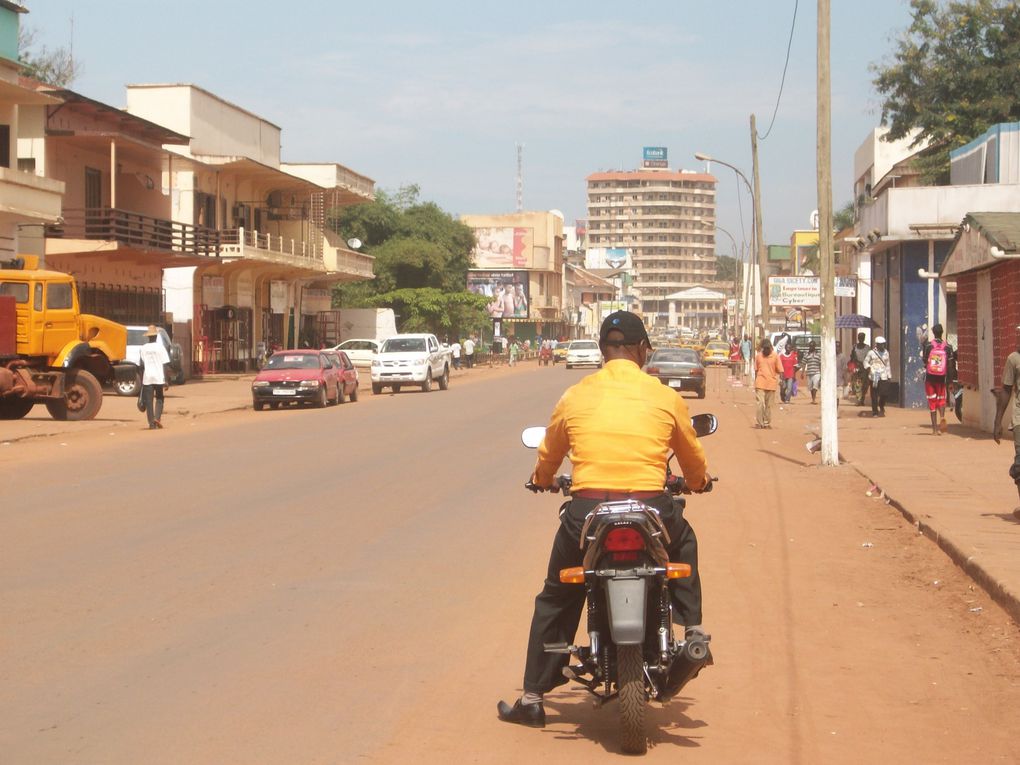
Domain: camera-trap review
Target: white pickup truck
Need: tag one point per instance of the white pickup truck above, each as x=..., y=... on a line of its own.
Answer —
x=411, y=360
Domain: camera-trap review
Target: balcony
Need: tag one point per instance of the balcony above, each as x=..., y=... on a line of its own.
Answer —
x=918, y=211
x=241, y=243
x=135, y=231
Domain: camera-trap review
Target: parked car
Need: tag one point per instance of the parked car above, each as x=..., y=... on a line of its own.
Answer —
x=348, y=374
x=583, y=352
x=296, y=376
x=560, y=352
x=716, y=352
x=135, y=340
x=679, y=368
x=360, y=350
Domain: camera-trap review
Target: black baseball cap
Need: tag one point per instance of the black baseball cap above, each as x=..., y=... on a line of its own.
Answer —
x=629, y=324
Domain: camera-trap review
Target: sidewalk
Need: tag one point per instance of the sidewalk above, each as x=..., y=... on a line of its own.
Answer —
x=955, y=488
x=208, y=395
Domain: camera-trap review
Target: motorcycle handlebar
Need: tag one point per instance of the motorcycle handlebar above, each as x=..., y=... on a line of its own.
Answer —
x=675, y=484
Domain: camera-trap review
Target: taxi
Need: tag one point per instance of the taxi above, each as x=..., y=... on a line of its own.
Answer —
x=716, y=352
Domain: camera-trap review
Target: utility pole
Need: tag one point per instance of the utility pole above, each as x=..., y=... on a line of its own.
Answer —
x=830, y=429
x=761, y=252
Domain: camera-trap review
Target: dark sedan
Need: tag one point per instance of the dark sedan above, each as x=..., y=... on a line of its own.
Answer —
x=679, y=368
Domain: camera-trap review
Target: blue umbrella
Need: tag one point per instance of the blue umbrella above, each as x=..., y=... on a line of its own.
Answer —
x=855, y=321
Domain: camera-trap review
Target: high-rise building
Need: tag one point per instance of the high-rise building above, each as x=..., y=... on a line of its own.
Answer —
x=666, y=221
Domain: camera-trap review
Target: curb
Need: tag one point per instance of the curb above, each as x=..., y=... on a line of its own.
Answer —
x=1009, y=601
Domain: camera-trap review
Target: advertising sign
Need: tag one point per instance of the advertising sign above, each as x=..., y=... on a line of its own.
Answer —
x=607, y=257
x=655, y=156
x=846, y=286
x=213, y=291
x=501, y=248
x=795, y=291
x=508, y=292
x=278, y=297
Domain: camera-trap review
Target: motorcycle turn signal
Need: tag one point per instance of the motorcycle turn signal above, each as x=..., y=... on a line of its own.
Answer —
x=673, y=571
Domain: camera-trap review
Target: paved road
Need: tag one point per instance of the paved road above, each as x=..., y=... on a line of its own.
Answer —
x=354, y=585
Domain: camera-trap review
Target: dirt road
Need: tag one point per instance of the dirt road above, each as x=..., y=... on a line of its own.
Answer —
x=355, y=585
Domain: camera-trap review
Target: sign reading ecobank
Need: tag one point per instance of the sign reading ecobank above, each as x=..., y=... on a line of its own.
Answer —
x=655, y=156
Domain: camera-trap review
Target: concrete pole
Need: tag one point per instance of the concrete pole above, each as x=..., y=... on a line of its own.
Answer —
x=761, y=251
x=830, y=431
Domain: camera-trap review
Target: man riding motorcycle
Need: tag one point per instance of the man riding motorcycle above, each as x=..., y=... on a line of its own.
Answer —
x=618, y=426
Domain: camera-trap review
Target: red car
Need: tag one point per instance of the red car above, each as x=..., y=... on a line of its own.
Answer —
x=304, y=376
x=347, y=372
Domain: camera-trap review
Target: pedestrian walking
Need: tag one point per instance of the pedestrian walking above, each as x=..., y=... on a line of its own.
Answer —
x=152, y=357
x=768, y=371
x=788, y=358
x=1008, y=404
x=858, y=374
x=937, y=356
x=745, y=354
x=455, y=350
x=469, y=351
x=811, y=363
x=514, y=349
x=879, y=369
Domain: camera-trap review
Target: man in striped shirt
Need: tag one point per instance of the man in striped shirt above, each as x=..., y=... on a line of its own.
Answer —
x=811, y=363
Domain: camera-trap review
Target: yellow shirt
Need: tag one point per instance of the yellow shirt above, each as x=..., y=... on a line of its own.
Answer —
x=619, y=425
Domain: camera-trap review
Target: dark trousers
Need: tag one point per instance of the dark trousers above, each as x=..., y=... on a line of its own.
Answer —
x=879, y=391
x=470, y=359
x=558, y=606
x=152, y=397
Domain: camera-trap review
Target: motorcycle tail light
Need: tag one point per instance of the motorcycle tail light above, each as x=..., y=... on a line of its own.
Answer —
x=677, y=570
x=622, y=557
x=574, y=575
x=652, y=370
x=624, y=539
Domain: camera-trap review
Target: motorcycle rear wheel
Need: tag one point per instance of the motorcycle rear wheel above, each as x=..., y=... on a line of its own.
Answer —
x=630, y=679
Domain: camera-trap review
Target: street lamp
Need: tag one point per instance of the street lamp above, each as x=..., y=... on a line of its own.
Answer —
x=755, y=237
x=736, y=260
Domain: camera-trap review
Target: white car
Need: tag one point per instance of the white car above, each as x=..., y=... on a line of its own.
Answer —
x=360, y=351
x=581, y=352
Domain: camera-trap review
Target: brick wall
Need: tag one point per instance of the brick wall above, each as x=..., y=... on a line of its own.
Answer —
x=1005, y=311
x=966, y=329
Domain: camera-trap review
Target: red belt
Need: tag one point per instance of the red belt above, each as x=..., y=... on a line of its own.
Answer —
x=606, y=495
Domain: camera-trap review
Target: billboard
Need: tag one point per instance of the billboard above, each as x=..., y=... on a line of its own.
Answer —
x=655, y=156
x=607, y=257
x=501, y=248
x=806, y=290
x=508, y=292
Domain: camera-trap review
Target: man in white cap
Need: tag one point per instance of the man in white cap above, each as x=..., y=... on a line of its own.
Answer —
x=153, y=356
x=879, y=368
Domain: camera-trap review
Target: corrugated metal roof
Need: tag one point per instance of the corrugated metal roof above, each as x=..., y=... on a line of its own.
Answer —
x=1000, y=228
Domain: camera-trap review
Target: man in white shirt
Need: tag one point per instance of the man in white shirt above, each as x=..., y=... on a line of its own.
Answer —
x=879, y=370
x=455, y=348
x=469, y=352
x=152, y=357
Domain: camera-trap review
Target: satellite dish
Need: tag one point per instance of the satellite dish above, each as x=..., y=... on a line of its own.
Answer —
x=354, y=243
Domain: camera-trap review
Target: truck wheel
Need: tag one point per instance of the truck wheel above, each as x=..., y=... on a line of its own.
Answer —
x=444, y=381
x=15, y=408
x=83, y=397
x=376, y=388
x=126, y=387
x=427, y=385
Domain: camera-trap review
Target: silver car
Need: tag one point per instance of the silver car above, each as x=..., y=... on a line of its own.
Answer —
x=679, y=368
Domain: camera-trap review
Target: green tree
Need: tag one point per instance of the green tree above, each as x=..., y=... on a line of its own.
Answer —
x=55, y=67
x=421, y=253
x=725, y=268
x=955, y=72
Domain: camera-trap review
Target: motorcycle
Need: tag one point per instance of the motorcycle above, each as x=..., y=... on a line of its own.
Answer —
x=632, y=653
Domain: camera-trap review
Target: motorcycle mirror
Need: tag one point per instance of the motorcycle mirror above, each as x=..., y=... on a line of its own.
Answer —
x=532, y=437
x=704, y=424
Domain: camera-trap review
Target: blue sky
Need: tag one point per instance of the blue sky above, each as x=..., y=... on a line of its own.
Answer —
x=438, y=93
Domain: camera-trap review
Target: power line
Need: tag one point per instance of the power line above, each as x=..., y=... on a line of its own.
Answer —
x=782, y=82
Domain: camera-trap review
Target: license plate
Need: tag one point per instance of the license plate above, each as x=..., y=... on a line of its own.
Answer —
x=676, y=383
x=283, y=391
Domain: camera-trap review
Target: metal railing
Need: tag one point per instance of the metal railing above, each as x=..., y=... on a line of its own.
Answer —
x=236, y=241
x=135, y=230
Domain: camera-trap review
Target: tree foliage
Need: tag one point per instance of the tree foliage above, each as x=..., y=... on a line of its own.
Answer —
x=955, y=72
x=422, y=255
x=57, y=67
x=725, y=268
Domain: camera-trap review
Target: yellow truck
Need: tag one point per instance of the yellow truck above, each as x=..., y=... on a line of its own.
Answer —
x=50, y=352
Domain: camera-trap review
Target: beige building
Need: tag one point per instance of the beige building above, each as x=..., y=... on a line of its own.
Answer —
x=522, y=251
x=666, y=222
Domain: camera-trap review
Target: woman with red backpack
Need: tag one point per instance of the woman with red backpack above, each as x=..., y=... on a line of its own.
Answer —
x=938, y=354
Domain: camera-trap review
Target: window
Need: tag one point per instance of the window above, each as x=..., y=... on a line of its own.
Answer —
x=5, y=145
x=18, y=289
x=37, y=298
x=58, y=296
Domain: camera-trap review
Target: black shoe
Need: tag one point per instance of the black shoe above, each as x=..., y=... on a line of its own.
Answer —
x=531, y=715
